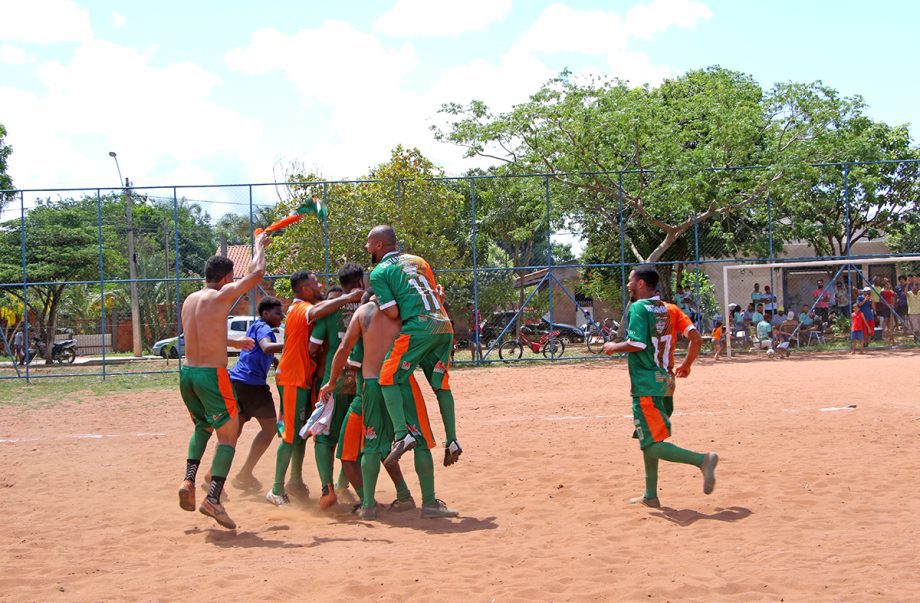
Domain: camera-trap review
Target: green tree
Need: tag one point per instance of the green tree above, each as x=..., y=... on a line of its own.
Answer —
x=5, y=181
x=62, y=245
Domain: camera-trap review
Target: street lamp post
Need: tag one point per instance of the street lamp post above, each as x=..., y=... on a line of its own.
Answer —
x=132, y=263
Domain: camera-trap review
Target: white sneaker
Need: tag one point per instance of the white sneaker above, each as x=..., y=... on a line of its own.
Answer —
x=278, y=501
x=452, y=453
x=400, y=447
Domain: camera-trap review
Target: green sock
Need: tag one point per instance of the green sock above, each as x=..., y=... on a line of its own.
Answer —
x=198, y=442
x=446, y=404
x=281, y=465
x=675, y=454
x=402, y=490
x=370, y=469
x=424, y=467
x=394, y=402
x=651, y=475
x=298, y=453
x=325, y=457
x=341, y=483
x=223, y=458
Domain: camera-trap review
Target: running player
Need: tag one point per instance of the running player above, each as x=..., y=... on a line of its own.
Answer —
x=295, y=377
x=376, y=331
x=326, y=336
x=406, y=291
x=203, y=380
x=249, y=378
x=649, y=339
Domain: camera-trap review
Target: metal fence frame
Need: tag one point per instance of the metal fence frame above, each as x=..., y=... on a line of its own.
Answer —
x=476, y=270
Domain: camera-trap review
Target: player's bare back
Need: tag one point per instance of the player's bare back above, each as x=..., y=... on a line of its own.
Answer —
x=378, y=332
x=204, y=322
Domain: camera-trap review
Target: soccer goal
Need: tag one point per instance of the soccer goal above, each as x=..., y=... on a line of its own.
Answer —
x=806, y=286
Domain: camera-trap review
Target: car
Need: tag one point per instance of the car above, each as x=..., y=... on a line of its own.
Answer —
x=567, y=333
x=171, y=347
x=238, y=326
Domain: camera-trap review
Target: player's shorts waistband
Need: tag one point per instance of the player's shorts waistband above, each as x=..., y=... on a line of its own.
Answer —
x=202, y=370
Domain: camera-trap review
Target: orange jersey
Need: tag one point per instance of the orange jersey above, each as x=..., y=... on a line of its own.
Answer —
x=716, y=334
x=296, y=367
x=680, y=325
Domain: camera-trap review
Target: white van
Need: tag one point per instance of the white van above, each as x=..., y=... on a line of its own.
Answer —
x=237, y=326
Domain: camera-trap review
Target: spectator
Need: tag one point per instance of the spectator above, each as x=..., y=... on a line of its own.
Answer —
x=823, y=298
x=757, y=316
x=913, y=308
x=764, y=333
x=769, y=299
x=900, y=291
x=807, y=319
x=717, y=339
x=886, y=313
x=747, y=322
x=778, y=319
x=857, y=329
x=476, y=324
x=865, y=306
x=841, y=299
x=19, y=353
x=756, y=296
x=874, y=295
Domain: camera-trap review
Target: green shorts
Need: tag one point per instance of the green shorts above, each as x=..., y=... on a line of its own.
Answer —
x=208, y=395
x=293, y=412
x=342, y=402
x=378, y=429
x=651, y=420
x=417, y=348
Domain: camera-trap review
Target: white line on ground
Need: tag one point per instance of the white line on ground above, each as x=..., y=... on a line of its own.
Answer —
x=81, y=436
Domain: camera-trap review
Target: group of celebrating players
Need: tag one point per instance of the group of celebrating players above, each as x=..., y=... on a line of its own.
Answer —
x=347, y=363
x=350, y=356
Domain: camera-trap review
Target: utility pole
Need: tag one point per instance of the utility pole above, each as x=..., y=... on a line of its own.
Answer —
x=132, y=262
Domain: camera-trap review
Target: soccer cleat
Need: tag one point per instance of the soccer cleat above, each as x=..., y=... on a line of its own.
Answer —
x=368, y=513
x=187, y=495
x=710, y=460
x=328, y=497
x=400, y=448
x=437, y=510
x=399, y=505
x=246, y=482
x=298, y=491
x=279, y=500
x=452, y=453
x=206, y=486
x=218, y=512
x=654, y=503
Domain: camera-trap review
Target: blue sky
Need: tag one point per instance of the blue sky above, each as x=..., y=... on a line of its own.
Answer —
x=221, y=92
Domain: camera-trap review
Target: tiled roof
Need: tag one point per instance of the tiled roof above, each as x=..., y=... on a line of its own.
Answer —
x=240, y=256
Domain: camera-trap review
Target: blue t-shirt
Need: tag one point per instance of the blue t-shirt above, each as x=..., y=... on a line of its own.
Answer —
x=252, y=367
x=866, y=309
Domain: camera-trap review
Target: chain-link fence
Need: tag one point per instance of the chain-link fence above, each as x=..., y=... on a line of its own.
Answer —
x=535, y=266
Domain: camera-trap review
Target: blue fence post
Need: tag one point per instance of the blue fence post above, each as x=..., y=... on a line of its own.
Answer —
x=477, y=357
x=25, y=280
x=698, y=276
x=326, y=235
x=770, y=235
x=179, y=345
x=622, y=248
x=549, y=263
x=101, y=278
x=846, y=204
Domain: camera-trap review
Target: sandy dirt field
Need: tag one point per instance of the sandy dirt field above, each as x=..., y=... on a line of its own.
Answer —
x=815, y=500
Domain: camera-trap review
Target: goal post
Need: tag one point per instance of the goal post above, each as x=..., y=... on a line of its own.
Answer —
x=765, y=271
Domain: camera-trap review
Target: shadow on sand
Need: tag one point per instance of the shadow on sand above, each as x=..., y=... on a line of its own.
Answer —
x=686, y=517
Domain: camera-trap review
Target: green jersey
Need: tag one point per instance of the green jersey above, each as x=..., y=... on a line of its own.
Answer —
x=407, y=281
x=649, y=329
x=331, y=330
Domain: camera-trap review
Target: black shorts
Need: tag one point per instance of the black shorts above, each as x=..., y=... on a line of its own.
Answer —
x=254, y=401
x=882, y=311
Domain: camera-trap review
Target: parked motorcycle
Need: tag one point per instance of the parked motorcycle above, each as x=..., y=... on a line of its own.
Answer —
x=61, y=351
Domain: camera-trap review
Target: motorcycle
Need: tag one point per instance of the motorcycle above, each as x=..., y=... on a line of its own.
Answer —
x=597, y=336
x=61, y=351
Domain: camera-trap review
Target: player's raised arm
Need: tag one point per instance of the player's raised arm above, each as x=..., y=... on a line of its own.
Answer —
x=254, y=273
x=325, y=308
x=352, y=334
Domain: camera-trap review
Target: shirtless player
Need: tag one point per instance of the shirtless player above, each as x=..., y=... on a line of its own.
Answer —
x=204, y=381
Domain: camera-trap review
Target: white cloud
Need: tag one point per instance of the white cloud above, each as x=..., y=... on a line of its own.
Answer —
x=644, y=21
x=108, y=97
x=13, y=55
x=43, y=21
x=118, y=19
x=428, y=18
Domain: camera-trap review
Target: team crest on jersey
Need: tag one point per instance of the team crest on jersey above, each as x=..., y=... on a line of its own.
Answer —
x=370, y=434
x=406, y=365
x=440, y=368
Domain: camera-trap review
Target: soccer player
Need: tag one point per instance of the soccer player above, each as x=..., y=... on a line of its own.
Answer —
x=406, y=291
x=326, y=336
x=295, y=377
x=648, y=343
x=249, y=378
x=376, y=332
x=204, y=382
